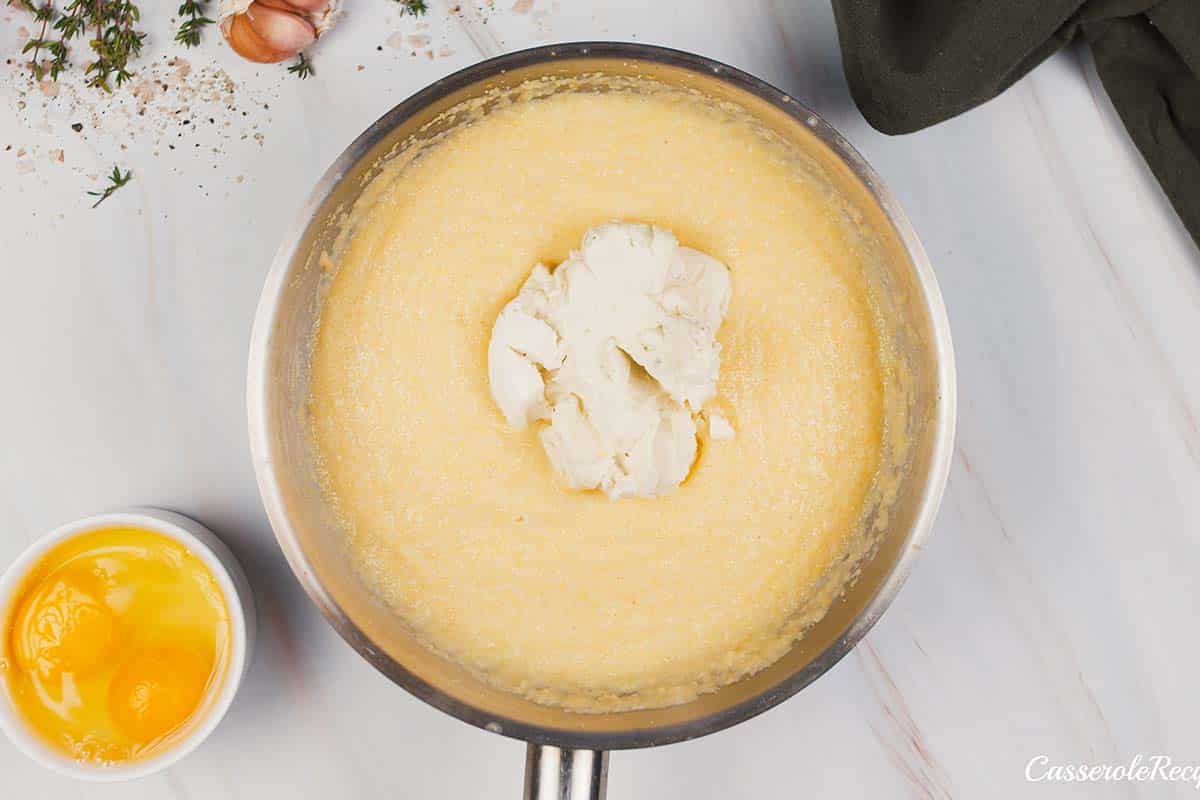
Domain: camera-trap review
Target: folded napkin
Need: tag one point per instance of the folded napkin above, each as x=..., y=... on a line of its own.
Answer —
x=913, y=63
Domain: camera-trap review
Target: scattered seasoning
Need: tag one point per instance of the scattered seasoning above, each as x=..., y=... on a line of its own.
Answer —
x=149, y=98
x=115, y=181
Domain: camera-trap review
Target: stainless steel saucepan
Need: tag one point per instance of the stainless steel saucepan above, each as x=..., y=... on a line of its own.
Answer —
x=567, y=755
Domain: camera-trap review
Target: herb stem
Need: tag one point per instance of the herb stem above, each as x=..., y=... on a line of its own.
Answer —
x=116, y=39
x=194, y=20
x=43, y=14
x=414, y=7
x=115, y=181
x=303, y=68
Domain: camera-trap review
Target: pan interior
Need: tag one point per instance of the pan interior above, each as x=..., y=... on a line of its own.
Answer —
x=312, y=537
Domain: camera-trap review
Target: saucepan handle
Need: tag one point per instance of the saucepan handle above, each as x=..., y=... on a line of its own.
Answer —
x=554, y=773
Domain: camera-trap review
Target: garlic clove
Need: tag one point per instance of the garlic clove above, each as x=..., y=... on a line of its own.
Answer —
x=321, y=13
x=313, y=8
x=268, y=31
x=280, y=29
x=267, y=34
x=245, y=42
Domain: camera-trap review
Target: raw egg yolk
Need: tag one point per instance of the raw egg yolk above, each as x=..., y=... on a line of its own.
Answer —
x=66, y=629
x=113, y=644
x=153, y=693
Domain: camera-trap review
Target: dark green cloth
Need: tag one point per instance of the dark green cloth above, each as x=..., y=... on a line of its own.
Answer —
x=913, y=63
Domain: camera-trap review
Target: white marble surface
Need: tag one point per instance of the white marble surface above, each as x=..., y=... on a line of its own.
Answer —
x=1052, y=613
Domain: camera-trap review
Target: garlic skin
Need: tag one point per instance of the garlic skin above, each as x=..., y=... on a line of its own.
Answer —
x=268, y=31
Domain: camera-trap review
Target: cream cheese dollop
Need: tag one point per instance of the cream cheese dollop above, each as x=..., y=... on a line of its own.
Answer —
x=615, y=353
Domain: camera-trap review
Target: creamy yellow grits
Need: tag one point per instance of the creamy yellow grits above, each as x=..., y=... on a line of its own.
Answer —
x=459, y=523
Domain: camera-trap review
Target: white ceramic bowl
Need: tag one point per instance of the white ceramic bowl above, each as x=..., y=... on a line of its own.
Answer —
x=229, y=576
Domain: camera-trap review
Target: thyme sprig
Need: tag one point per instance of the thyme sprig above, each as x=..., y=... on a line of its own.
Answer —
x=303, y=68
x=115, y=181
x=114, y=40
x=193, y=21
x=414, y=7
x=43, y=14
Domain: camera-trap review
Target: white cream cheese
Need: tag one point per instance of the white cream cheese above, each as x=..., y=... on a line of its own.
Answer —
x=718, y=426
x=616, y=350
